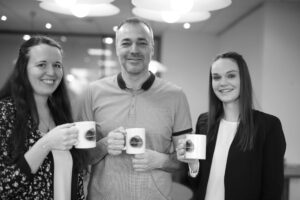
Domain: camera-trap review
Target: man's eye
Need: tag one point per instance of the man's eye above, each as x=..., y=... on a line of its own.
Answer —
x=143, y=43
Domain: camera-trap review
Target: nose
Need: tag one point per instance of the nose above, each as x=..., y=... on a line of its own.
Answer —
x=223, y=81
x=134, y=48
x=50, y=69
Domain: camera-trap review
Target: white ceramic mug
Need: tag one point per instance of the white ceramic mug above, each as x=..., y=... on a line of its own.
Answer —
x=135, y=140
x=86, y=134
x=195, y=146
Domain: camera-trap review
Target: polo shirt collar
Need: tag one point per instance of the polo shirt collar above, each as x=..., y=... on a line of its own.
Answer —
x=145, y=86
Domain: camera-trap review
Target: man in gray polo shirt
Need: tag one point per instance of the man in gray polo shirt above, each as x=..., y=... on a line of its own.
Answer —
x=134, y=98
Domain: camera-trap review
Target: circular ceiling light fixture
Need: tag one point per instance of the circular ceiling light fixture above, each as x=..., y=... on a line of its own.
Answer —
x=170, y=16
x=211, y=5
x=177, y=11
x=157, y=15
x=65, y=3
x=81, y=8
x=197, y=5
x=181, y=6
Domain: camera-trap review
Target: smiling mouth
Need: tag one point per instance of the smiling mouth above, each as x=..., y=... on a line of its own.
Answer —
x=134, y=59
x=225, y=91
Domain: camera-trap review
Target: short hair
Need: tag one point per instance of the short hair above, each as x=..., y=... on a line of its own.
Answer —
x=136, y=21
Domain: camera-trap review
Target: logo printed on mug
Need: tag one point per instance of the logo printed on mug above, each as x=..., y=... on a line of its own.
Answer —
x=189, y=146
x=90, y=134
x=136, y=141
x=195, y=146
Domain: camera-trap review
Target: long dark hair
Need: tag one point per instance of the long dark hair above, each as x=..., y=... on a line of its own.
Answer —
x=245, y=133
x=20, y=90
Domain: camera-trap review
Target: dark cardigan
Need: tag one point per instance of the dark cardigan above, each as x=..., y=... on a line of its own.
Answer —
x=250, y=175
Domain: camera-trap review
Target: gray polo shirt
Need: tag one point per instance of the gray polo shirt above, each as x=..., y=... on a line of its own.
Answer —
x=159, y=107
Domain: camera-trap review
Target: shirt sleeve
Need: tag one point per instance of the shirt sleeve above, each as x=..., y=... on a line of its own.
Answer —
x=14, y=176
x=86, y=106
x=182, y=121
x=273, y=166
x=96, y=154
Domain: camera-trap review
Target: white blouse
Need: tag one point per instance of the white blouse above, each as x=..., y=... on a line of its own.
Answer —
x=63, y=165
x=215, y=188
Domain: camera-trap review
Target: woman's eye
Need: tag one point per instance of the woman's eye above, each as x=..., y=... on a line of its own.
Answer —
x=215, y=78
x=231, y=76
x=42, y=65
x=125, y=44
x=58, y=65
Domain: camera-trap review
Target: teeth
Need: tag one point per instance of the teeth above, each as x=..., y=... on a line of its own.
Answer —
x=48, y=81
x=224, y=91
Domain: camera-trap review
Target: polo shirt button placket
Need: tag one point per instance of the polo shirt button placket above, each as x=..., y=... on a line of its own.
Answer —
x=132, y=106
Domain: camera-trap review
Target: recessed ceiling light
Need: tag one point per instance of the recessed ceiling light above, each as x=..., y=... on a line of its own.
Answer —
x=26, y=37
x=186, y=25
x=108, y=40
x=3, y=18
x=48, y=26
x=70, y=77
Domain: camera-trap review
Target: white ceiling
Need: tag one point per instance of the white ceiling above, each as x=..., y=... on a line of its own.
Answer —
x=27, y=16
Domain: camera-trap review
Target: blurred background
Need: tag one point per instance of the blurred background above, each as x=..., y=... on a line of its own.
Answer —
x=265, y=32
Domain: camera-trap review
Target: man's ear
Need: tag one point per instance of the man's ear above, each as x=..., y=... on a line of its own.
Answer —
x=152, y=51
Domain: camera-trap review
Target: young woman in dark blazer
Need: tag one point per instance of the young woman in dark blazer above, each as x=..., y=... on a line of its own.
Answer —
x=245, y=147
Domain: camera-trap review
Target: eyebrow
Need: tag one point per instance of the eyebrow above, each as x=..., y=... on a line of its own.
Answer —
x=45, y=61
x=144, y=39
x=232, y=71
x=138, y=39
x=227, y=72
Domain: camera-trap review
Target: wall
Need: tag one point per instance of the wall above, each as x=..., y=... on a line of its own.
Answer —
x=188, y=57
x=246, y=37
x=9, y=52
x=281, y=83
